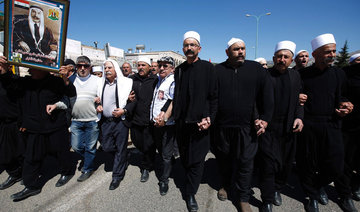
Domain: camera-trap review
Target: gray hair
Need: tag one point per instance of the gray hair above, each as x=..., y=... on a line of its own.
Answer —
x=83, y=59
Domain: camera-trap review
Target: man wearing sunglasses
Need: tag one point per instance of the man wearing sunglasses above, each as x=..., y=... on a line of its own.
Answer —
x=162, y=128
x=84, y=126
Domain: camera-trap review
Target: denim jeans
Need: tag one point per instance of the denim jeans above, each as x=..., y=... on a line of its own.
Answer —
x=84, y=135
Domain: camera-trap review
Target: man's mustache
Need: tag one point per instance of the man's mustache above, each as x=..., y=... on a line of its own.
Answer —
x=189, y=52
x=108, y=73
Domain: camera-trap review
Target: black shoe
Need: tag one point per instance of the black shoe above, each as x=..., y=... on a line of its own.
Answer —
x=9, y=182
x=347, y=205
x=114, y=184
x=25, y=193
x=191, y=203
x=144, y=176
x=312, y=206
x=356, y=194
x=163, y=188
x=277, y=199
x=63, y=180
x=84, y=176
x=323, y=197
x=266, y=207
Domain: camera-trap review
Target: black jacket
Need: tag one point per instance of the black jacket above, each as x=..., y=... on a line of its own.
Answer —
x=196, y=94
x=295, y=110
x=139, y=110
x=240, y=90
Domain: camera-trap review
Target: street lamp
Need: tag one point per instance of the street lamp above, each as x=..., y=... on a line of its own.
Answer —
x=257, y=28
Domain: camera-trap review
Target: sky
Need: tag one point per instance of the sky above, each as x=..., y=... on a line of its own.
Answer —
x=160, y=24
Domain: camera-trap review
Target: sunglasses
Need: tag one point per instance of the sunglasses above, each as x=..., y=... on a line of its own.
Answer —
x=82, y=65
x=163, y=65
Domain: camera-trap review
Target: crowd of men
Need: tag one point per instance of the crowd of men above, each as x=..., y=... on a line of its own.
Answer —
x=248, y=115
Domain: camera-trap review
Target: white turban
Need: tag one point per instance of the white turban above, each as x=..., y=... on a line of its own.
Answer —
x=97, y=69
x=322, y=40
x=300, y=52
x=145, y=60
x=234, y=40
x=192, y=34
x=285, y=45
x=353, y=57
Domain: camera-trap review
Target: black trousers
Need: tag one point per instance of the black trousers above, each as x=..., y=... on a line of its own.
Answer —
x=320, y=155
x=114, y=136
x=12, y=147
x=38, y=146
x=276, y=156
x=164, y=138
x=235, y=152
x=142, y=139
x=193, y=147
x=349, y=181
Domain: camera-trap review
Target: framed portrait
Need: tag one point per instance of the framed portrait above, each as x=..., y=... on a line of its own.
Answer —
x=35, y=33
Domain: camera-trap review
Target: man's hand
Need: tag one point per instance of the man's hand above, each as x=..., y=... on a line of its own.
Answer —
x=24, y=46
x=4, y=65
x=302, y=99
x=53, y=47
x=344, y=109
x=298, y=125
x=99, y=109
x=117, y=112
x=64, y=71
x=260, y=126
x=50, y=108
x=131, y=96
x=159, y=121
x=97, y=100
x=204, y=124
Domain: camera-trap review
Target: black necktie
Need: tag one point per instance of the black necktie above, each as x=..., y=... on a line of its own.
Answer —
x=37, y=33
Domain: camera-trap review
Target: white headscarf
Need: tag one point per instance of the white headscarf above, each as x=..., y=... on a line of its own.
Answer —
x=41, y=24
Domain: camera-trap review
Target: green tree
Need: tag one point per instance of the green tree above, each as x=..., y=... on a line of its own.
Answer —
x=343, y=57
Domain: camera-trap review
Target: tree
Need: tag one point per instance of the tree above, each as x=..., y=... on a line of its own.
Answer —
x=343, y=57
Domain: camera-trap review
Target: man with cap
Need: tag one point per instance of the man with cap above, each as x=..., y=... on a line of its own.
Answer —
x=301, y=59
x=277, y=146
x=84, y=126
x=163, y=127
x=349, y=183
x=195, y=105
x=320, y=153
x=113, y=92
x=143, y=87
x=243, y=84
x=97, y=71
x=126, y=69
x=262, y=62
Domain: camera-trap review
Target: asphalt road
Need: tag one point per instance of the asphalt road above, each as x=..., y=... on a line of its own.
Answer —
x=132, y=195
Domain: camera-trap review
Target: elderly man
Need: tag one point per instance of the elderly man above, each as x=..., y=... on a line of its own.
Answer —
x=143, y=87
x=195, y=105
x=163, y=129
x=243, y=84
x=126, y=69
x=32, y=36
x=301, y=59
x=262, y=61
x=348, y=184
x=320, y=154
x=44, y=126
x=277, y=146
x=154, y=68
x=84, y=126
x=113, y=93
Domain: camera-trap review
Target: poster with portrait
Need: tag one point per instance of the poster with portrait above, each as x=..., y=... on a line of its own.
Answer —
x=35, y=33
